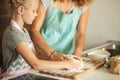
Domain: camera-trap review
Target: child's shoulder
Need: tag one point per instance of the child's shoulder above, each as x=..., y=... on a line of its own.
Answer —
x=11, y=30
x=12, y=33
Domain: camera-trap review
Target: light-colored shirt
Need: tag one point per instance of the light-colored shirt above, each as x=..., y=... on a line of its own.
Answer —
x=48, y=4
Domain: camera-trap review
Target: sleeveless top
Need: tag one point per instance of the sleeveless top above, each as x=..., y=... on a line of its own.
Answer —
x=59, y=28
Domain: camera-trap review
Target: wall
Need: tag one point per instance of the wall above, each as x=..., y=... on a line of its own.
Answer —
x=104, y=22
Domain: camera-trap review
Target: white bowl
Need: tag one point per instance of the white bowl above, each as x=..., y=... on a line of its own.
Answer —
x=98, y=55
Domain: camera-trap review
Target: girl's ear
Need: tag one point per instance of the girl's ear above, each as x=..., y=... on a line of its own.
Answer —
x=20, y=10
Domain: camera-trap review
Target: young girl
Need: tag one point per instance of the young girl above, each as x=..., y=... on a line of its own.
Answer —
x=19, y=54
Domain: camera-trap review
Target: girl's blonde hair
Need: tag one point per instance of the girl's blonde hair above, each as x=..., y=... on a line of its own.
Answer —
x=12, y=5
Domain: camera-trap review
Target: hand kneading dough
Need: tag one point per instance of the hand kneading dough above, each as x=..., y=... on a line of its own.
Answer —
x=79, y=61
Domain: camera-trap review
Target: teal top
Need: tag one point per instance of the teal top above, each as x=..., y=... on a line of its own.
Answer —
x=59, y=29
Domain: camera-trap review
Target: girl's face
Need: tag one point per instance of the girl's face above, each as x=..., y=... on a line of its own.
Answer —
x=30, y=13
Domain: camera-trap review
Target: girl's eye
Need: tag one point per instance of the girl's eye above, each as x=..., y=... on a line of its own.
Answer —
x=34, y=11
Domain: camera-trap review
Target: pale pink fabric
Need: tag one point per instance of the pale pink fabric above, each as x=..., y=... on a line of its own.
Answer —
x=14, y=24
x=16, y=72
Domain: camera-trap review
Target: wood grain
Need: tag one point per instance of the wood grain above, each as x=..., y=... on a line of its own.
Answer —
x=76, y=75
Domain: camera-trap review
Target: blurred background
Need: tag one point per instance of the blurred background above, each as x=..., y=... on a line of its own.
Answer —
x=104, y=23
x=4, y=20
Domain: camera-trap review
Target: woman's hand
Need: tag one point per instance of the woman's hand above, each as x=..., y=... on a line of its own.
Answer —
x=59, y=57
x=78, y=55
x=73, y=62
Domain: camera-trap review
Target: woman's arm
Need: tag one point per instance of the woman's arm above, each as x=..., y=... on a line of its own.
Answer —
x=35, y=28
x=38, y=38
x=38, y=64
x=81, y=33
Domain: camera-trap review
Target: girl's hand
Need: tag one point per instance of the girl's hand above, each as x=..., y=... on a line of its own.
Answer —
x=73, y=64
x=76, y=61
x=59, y=57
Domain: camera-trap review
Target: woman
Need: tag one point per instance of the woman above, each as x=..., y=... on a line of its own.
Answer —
x=60, y=27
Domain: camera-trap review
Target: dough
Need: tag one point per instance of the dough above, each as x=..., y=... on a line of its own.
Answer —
x=80, y=62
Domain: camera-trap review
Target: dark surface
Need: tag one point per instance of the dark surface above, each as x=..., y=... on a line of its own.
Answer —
x=4, y=21
x=114, y=52
x=29, y=76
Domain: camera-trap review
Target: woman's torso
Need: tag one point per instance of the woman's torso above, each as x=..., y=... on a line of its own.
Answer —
x=59, y=28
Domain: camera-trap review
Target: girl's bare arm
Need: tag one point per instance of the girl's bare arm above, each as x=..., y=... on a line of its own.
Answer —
x=38, y=64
